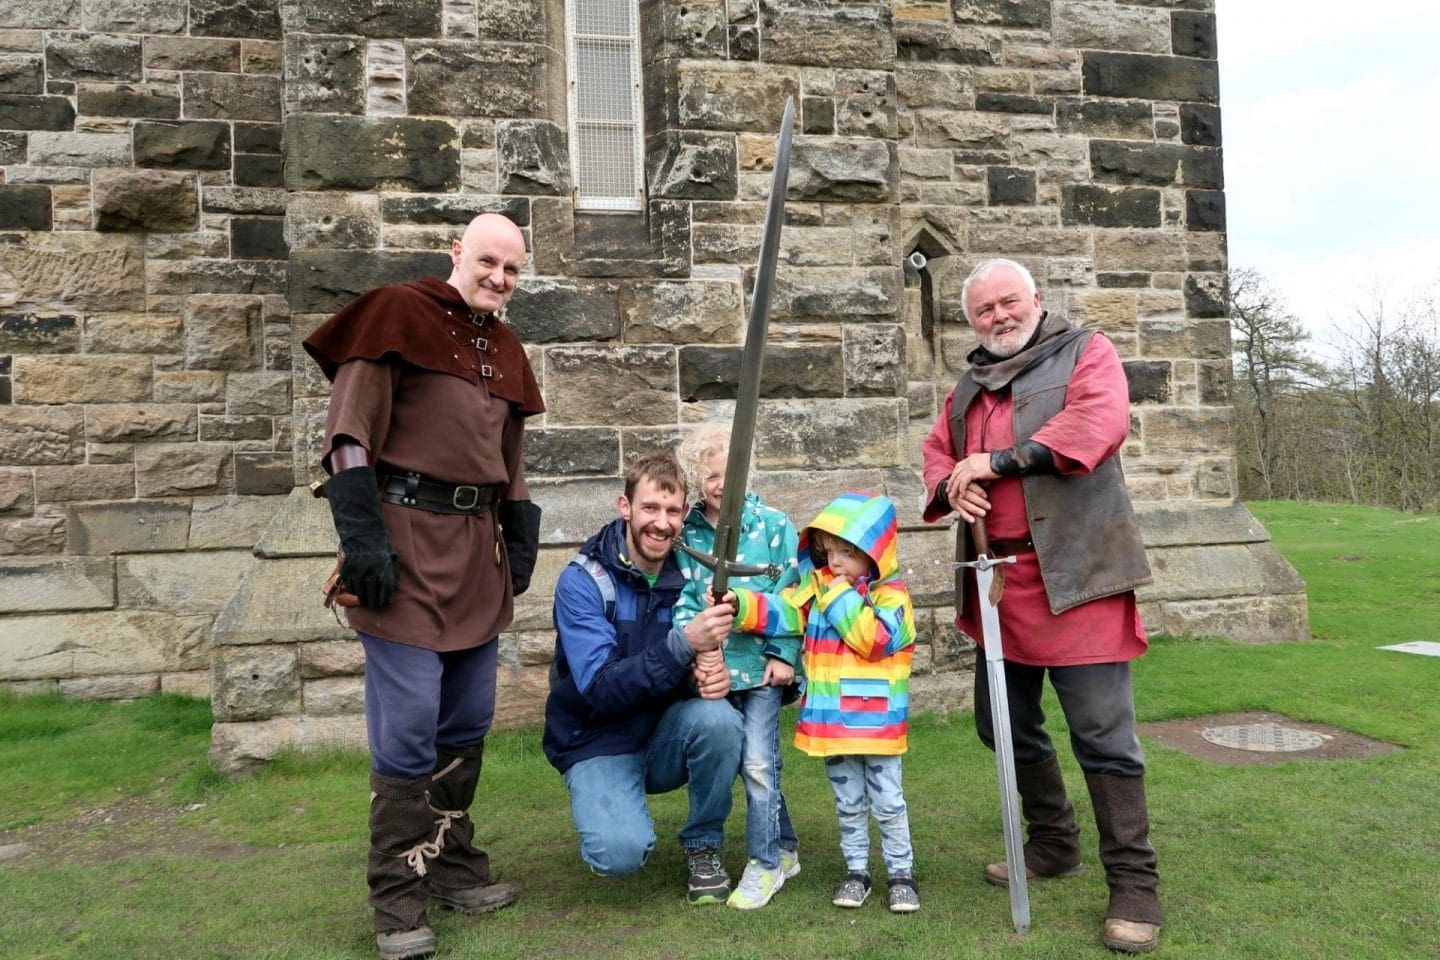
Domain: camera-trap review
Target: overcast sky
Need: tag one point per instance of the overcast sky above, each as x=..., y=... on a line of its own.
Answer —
x=1331, y=116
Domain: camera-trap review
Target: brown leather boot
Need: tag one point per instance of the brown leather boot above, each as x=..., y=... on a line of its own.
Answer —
x=1052, y=847
x=460, y=877
x=401, y=840
x=1132, y=920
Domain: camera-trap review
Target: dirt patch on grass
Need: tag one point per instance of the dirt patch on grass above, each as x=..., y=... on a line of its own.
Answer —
x=130, y=828
x=1335, y=743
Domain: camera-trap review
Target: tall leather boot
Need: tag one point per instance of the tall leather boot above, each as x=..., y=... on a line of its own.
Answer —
x=460, y=877
x=1052, y=847
x=402, y=839
x=1132, y=920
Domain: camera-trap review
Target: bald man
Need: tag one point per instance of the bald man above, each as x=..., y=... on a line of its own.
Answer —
x=437, y=536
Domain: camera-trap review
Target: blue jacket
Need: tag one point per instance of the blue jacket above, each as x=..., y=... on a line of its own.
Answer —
x=610, y=681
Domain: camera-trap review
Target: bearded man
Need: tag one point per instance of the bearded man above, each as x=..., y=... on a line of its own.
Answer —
x=437, y=535
x=637, y=704
x=1029, y=439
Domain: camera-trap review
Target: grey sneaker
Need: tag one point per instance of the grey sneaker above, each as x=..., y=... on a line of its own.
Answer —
x=406, y=944
x=709, y=883
x=904, y=897
x=853, y=890
x=789, y=862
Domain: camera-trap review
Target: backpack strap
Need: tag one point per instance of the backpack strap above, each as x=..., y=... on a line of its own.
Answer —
x=603, y=581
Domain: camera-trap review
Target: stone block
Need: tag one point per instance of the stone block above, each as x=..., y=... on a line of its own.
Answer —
x=1205, y=296
x=81, y=379
x=258, y=393
x=331, y=658
x=1010, y=186
x=258, y=137
x=1190, y=432
x=733, y=96
x=261, y=473
x=368, y=18
x=258, y=19
x=128, y=100
x=962, y=130
x=1151, y=251
x=1149, y=381
x=1014, y=103
x=818, y=116
x=827, y=33
x=680, y=312
x=31, y=536
x=597, y=245
x=573, y=509
x=135, y=16
x=232, y=96
x=145, y=200
x=134, y=527
x=259, y=170
x=829, y=433
x=173, y=469
x=832, y=293
x=237, y=522
x=810, y=370
x=520, y=694
x=371, y=153
x=14, y=145
x=324, y=74
x=685, y=31
x=450, y=209
x=17, y=492
x=1117, y=119
x=124, y=687
x=40, y=14
x=691, y=165
x=874, y=360
x=38, y=332
x=1200, y=124
x=333, y=696
x=184, y=583
x=1192, y=339
x=53, y=584
x=115, y=642
x=256, y=200
x=1102, y=207
x=19, y=112
x=1193, y=34
x=257, y=239
x=559, y=452
x=533, y=157
x=324, y=281
x=1205, y=210
x=334, y=221
x=222, y=332
x=1155, y=163
x=92, y=56
x=1004, y=13
x=91, y=481
x=278, y=602
x=240, y=748
x=839, y=169
x=254, y=683
x=463, y=79
x=185, y=144
x=1107, y=26
x=941, y=44
x=191, y=53
x=579, y=385
x=221, y=428
x=189, y=683
x=78, y=149
x=1144, y=77
x=24, y=206
x=45, y=435
x=189, y=386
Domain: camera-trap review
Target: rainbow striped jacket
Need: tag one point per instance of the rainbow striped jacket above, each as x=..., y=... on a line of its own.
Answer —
x=858, y=639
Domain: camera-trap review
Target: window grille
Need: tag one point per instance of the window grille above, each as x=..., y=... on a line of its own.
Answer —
x=606, y=139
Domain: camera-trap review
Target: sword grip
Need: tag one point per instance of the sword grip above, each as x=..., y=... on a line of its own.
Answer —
x=982, y=546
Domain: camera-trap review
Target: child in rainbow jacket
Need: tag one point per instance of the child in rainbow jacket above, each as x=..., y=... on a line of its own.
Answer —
x=859, y=627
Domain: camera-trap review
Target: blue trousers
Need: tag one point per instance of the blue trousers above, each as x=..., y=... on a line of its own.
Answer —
x=1098, y=705
x=417, y=700
x=696, y=743
x=871, y=784
x=767, y=818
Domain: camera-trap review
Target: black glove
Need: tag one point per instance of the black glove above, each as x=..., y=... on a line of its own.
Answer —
x=369, y=567
x=1023, y=459
x=520, y=528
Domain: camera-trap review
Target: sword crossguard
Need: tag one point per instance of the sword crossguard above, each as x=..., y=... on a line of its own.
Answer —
x=983, y=562
x=711, y=562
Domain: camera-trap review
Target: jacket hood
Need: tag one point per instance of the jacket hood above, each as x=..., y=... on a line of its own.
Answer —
x=440, y=291
x=867, y=520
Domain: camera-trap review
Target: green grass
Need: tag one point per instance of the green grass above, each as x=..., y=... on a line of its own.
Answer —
x=1299, y=860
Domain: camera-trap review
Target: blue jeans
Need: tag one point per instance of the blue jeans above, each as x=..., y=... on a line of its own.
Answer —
x=1098, y=704
x=417, y=700
x=767, y=819
x=697, y=742
x=873, y=781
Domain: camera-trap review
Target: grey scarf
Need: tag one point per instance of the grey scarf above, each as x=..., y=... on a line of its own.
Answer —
x=995, y=373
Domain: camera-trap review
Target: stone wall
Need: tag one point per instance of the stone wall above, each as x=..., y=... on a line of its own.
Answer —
x=190, y=187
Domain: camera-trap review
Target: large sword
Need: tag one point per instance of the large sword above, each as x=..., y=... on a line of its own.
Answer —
x=747, y=399
x=987, y=586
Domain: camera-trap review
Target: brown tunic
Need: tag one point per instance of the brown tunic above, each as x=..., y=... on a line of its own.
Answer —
x=454, y=588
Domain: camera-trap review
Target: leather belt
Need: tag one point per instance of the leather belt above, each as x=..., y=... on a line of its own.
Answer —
x=1009, y=547
x=415, y=490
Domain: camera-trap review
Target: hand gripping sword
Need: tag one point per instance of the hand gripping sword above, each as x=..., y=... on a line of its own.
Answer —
x=747, y=399
x=987, y=586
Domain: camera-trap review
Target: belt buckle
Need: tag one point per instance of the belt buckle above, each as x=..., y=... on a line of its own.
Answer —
x=474, y=492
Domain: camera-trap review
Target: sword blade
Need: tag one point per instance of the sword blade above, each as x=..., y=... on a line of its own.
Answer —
x=747, y=397
x=1004, y=752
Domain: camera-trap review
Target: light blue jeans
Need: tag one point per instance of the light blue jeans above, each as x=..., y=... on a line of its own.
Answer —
x=697, y=742
x=872, y=782
x=767, y=818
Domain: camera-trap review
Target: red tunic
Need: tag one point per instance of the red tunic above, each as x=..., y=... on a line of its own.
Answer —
x=1091, y=427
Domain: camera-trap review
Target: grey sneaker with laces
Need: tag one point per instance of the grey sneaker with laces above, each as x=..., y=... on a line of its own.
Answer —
x=709, y=883
x=853, y=890
x=904, y=897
